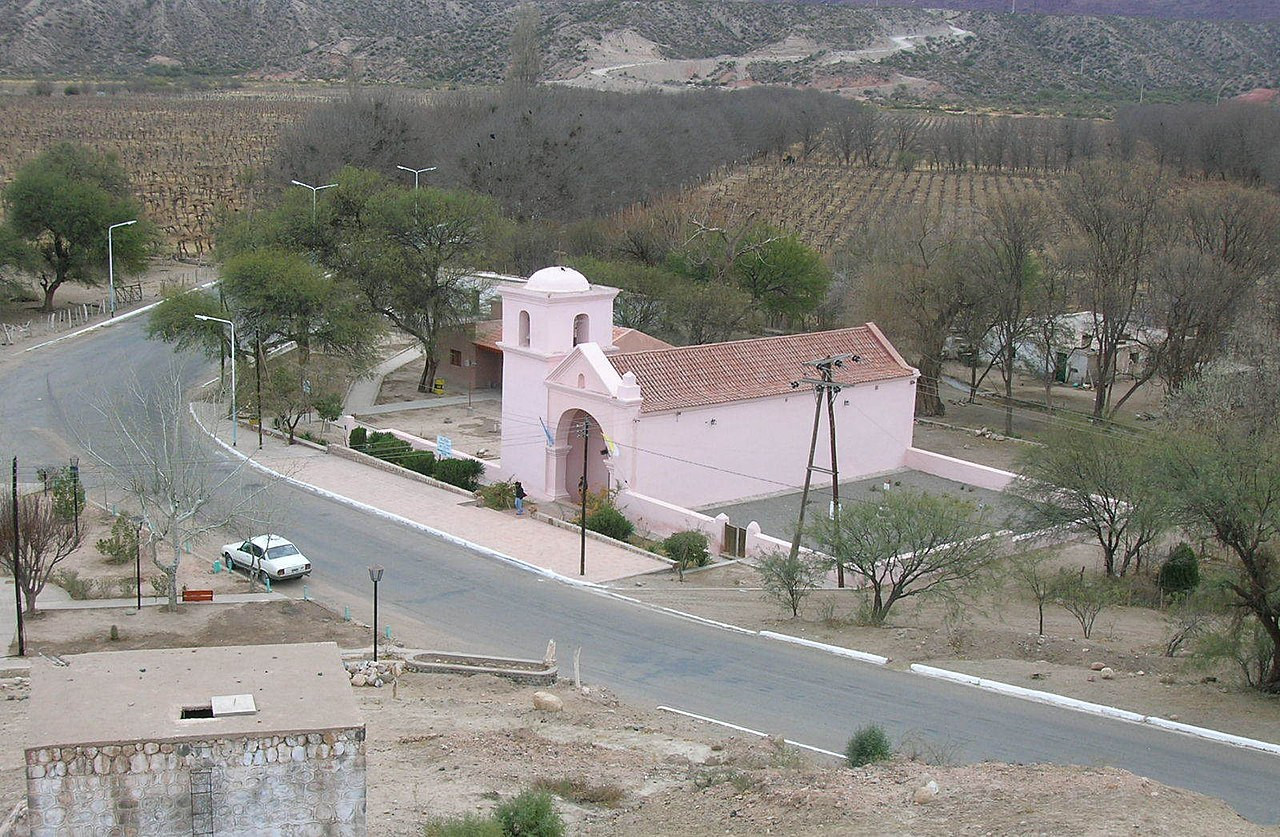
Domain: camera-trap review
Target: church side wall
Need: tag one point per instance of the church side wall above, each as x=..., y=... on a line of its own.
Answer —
x=715, y=454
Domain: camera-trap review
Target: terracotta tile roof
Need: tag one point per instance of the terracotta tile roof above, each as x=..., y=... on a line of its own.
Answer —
x=489, y=332
x=718, y=373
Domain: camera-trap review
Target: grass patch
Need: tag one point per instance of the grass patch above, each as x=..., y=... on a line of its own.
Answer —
x=582, y=791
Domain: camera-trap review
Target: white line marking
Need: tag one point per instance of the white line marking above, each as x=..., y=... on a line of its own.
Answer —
x=748, y=730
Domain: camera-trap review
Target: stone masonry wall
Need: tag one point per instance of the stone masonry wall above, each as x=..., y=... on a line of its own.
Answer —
x=285, y=786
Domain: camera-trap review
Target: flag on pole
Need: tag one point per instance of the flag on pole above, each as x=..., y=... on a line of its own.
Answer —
x=551, y=440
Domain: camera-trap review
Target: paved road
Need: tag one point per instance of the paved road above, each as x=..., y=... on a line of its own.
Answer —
x=644, y=656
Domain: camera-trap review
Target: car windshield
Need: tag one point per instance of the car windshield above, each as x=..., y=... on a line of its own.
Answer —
x=282, y=551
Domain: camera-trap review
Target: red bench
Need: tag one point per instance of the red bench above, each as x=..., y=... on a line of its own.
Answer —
x=197, y=595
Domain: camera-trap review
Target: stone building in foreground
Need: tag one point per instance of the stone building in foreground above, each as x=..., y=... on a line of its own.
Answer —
x=262, y=740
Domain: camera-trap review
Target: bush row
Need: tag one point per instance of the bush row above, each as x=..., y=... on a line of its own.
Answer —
x=464, y=473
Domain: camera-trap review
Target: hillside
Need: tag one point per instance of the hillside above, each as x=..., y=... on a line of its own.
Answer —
x=966, y=57
x=1254, y=10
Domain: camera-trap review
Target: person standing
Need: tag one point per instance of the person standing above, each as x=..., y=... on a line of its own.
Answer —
x=519, y=498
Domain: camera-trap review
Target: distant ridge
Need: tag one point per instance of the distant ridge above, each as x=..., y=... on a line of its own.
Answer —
x=1256, y=11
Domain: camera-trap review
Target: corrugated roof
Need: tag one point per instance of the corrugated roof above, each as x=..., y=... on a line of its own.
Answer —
x=718, y=373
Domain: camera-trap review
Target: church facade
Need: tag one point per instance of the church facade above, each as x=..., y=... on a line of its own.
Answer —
x=692, y=425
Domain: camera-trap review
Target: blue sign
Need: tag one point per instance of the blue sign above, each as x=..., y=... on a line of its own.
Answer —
x=444, y=447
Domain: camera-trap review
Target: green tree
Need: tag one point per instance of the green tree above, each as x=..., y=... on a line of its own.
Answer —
x=782, y=274
x=410, y=253
x=61, y=204
x=789, y=579
x=909, y=543
x=291, y=390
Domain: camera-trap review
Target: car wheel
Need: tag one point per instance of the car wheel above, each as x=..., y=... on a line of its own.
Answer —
x=228, y=561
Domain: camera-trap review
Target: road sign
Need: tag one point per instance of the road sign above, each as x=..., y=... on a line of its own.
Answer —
x=444, y=447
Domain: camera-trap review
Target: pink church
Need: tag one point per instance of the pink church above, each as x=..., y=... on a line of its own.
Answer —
x=689, y=426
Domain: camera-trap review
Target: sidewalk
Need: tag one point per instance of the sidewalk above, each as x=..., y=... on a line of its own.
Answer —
x=364, y=391
x=547, y=547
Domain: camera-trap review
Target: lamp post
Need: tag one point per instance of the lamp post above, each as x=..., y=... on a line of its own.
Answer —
x=416, y=172
x=313, y=189
x=235, y=416
x=137, y=561
x=375, y=575
x=111, y=265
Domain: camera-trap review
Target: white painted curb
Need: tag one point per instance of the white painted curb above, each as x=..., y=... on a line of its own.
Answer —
x=110, y=322
x=386, y=515
x=1095, y=709
x=862, y=656
x=748, y=730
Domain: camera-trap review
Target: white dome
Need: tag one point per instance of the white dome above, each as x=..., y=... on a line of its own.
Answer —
x=558, y=280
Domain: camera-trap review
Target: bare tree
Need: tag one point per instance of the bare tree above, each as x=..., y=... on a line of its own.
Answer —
x=1116, y=211
x=45, y=540
x=1012, y=233
x=151, y=451
x=524, y=66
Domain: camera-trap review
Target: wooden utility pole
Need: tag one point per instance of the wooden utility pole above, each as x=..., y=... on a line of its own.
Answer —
x=824, y=385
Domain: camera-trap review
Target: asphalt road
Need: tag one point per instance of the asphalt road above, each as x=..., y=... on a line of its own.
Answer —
x=644, y=656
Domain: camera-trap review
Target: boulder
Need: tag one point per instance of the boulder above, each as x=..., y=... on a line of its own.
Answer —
x=547, y=702
x=358, y=679
x=1106, y=673
x=1097, y=667
x=926, y=793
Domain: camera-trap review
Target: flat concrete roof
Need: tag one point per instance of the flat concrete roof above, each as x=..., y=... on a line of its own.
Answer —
x=123, y=696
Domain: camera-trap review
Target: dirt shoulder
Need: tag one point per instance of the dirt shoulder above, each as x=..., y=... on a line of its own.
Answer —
x=442, y=745
x=995, y=636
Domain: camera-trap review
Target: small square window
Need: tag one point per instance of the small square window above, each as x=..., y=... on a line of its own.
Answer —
x=455, y=357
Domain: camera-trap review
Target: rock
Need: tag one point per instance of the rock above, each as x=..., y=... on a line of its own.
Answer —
x=1174, y=718
x=1141, y=673
x=926, y=793
x=547, y=702
x=1092, y=679
x=358, y=679
x=1106, y=673
x=1097, y=667
x=1038, y=675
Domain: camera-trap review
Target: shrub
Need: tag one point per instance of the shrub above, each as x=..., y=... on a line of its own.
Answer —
x=787, y=580
x=358, y=438
x=387, y=446
x=464, y=473
x=468, y=825
x=611, y=523
x=1083, y=597
x=582, y=792
x=869, y=744
x=1180, y=572
x=498, y=495
x=122, y=546
x=531, y=814
x=420, y=461
x=687, y=549
x=76, y=587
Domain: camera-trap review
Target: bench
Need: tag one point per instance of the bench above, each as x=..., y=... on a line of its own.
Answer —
x=197, y=595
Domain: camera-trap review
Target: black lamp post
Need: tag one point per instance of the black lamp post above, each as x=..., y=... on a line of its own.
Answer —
x=137, y=561
x=375, y=575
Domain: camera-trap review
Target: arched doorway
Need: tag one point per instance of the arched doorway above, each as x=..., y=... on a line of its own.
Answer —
x=591, y=448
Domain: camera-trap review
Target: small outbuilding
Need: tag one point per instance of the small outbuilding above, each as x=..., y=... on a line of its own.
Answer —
x=263, y=739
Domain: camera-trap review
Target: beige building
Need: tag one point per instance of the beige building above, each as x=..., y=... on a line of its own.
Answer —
x=263, y=740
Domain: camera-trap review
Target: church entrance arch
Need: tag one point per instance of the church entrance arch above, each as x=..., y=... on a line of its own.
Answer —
x=591, y=447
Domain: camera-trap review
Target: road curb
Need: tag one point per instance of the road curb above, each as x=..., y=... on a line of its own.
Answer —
x=386, y=515
x=861, y=656
x=1098, y=709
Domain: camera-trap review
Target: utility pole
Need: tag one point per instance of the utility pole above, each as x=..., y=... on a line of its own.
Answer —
x=17, y=566
x=257, y=368
x=75, y=493
x=825, y=385
x=582, y=554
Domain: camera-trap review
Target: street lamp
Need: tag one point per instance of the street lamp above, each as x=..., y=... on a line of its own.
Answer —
x=416, y=172
x=375, y=575
x=235, y=416
x=313, y=189
x=111, y=265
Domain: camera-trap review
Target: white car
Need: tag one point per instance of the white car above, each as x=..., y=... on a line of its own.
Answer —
x=271, y=555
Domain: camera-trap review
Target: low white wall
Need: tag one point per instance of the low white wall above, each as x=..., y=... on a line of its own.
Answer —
x=960, y=470
x=661, y=518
